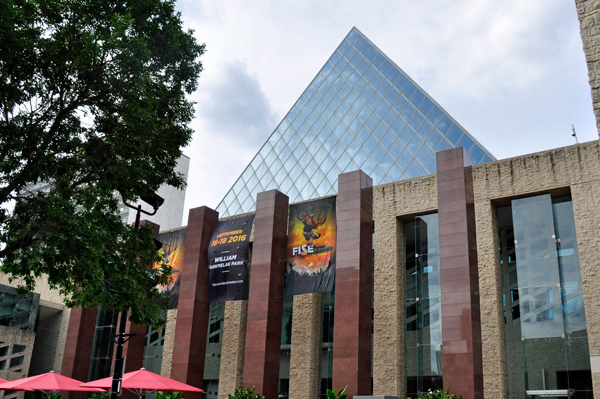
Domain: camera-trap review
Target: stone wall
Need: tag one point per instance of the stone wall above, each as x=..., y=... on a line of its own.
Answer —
x=306, y=346
x=233, y=347
x=51, y=299
x=576, y=169
x=14, y=360
x=167, y=355
x=588, y=12
x=490, y=300
x=390, y=203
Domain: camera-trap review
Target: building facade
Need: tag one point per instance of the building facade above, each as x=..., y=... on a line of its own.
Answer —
x=455, y=270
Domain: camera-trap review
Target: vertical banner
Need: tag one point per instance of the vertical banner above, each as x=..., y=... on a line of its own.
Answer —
x=312, y=239
x=228, y=260
x=172, y=255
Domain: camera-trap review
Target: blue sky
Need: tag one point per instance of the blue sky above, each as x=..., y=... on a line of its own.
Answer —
x=512, y=73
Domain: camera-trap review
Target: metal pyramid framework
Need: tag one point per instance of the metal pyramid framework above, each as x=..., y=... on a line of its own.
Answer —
x=360, y=112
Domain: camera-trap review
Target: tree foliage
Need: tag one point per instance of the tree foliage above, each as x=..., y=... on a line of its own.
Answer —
x=93, y=101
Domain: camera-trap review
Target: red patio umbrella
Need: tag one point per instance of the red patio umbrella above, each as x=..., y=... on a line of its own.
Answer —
x=143, y=382
x=48, y=383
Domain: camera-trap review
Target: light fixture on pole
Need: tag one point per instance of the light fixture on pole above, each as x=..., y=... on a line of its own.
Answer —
x=155, y=201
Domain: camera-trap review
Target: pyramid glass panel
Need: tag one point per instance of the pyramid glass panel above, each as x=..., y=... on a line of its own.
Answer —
x=360, y=111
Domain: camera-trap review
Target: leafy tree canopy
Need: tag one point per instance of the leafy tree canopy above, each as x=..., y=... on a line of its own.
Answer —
x=92, y=100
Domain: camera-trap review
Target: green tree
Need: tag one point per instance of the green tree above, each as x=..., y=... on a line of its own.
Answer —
x=92, y=100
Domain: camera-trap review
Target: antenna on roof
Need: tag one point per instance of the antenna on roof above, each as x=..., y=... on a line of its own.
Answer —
x=574, y=134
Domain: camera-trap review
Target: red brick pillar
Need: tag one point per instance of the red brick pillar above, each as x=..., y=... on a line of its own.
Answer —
x=193, y=312
x=78, y=348
x=133, y=350
x=265, y=301
x=461, y=325
x=353, y=284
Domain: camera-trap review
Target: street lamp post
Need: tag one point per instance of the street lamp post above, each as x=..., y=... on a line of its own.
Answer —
x=156, y=201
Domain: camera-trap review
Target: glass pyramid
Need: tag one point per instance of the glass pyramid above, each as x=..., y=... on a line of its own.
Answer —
x=360, y=112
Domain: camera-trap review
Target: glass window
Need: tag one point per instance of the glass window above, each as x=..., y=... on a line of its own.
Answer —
x=376, y=80
x=344, y=47
x=394, y=172
x=353, y=147
x=445, y=124
x=369, y=165
x=417, y=98
x=423, y=338
x=370, y=72
x=466, y=142
x=361, y=156
x=404, y=158
x=343, y=160
x=347, y=72
x=370, y=143
x=371, y=54
x=380, y=130
x=363, y=66
x=356, y=59
x=390, y=116
x=415, y=143
x=379, y=61
x=378, y=152
x=424, y=154
x=416, y=120
x=407, y=112
x=399, y=103
x=414, y=168
x=386, y=67
x=434, y=139
x=431, y=165
x=476, y=154
x=409, y=89
x=384, y=86
x=327, y=68
x=335, y=57
x=425, y=129
x=426, y=106
x=454, y=134
x=373, y=121
x=435, y=115
x=365, y=48
x=368, y=92
x=382, y=108
x=351, y=96
x=546, y=335
x=350, y=52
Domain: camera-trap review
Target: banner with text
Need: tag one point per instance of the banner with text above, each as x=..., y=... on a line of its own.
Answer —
x=172, y=255
x=312, y=238
x=228, y=260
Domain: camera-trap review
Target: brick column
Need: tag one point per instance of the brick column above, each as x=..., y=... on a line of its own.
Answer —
x=490, y=286
x=192, y=316
x=353, y=284
x=389, y=305
x=78, y=350
x=167, y=356
x=305, y=355
x=265, y=302
x=233, y=347
x=461, y=325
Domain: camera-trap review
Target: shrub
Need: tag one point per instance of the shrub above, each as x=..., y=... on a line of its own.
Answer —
x=246, y=393
x=169, y=395
x=337, y=395
x=438, y=394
